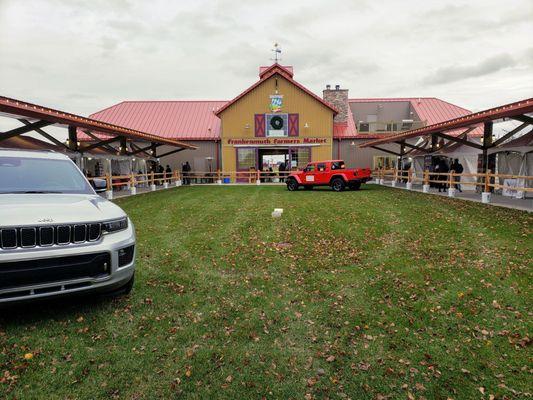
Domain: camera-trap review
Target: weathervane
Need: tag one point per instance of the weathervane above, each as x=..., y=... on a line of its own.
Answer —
x=277, y=53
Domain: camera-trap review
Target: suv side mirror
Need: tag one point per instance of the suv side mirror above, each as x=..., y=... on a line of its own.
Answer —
x=99, y=185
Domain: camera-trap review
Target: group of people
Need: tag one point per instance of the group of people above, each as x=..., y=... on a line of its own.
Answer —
x=268, y=173
x=442, y=168
x=158, y=169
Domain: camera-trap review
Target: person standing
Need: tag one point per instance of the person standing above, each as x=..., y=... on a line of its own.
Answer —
x=443, y=169
x=186, y=173
x=457, y=167
x=281, y=171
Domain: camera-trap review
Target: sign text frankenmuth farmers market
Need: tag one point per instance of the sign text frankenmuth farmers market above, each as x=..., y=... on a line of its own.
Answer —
x=278, y=140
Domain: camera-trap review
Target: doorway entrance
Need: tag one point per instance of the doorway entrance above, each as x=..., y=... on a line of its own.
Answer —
x=292, y=158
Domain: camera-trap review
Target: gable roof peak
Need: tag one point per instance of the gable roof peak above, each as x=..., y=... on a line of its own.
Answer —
x=287, y=69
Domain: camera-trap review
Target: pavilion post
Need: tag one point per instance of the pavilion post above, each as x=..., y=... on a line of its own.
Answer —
x=72, y=138
x=133, y=188
x=402, y=154
x=109, y=191
x=123, y=150
x=434, y=142
x=165, y=182
x=487, y=142
x=451, y=189
x=395, y=177
x=409, y=184
x=152, y=182
x=425, y=187
x=486, y=195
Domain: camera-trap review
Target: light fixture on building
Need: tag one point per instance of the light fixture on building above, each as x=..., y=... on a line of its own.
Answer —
x=306, y=125
x=353, y=143
x=247, y=126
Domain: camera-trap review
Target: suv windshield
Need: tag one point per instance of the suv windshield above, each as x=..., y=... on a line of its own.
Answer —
x=39, y=175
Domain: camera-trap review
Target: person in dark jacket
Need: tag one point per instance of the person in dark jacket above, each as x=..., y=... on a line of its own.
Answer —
x=281, y=171
x=457, y=167
x=186, y=170
x=160, y=170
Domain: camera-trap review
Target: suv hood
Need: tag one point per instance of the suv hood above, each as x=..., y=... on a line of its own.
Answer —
x=47, y=209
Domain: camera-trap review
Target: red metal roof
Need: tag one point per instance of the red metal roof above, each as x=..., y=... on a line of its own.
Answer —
x=18, y=108
x=462, y=122
x=281, y=71
x=345, y=130
x=184, y=120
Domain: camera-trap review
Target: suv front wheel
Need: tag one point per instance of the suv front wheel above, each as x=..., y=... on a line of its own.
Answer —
x=337, y=184
x=292, y=185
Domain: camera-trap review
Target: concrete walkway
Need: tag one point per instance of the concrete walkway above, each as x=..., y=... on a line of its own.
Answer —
x=496, y=200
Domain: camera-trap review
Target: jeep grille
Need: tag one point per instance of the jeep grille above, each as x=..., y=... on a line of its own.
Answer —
x=45, y=236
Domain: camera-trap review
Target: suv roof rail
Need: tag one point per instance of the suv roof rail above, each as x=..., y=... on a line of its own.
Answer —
x=35, y=150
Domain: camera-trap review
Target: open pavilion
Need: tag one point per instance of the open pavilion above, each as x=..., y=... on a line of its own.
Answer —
x=101, y=140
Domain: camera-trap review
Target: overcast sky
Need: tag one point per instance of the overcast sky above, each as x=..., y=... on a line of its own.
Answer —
x=82, y=56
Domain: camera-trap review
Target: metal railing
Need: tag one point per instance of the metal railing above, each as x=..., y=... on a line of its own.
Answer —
x=487, y=181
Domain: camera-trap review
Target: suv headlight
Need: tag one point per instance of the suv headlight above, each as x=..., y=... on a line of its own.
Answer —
x=115, y=226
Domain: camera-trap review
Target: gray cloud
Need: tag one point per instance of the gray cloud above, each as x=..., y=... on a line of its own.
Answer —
x=458, y=72
x=85, y=55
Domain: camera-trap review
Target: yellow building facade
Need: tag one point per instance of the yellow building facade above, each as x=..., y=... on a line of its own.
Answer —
x=275, y=121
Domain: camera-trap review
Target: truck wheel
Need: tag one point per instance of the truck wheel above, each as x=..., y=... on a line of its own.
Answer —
x=337, y=184
x=355, y=185
x=308, y=187
x=292, y=185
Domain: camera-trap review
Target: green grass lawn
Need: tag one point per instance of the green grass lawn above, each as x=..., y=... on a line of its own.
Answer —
x=375, y=294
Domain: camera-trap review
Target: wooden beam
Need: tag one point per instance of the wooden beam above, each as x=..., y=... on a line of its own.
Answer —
x=24, y=129
x=412, y=146
x=459, y=140
x=385, y=150
x=106, y=146
x=44, y=134
x=137, y=149
x=523, y=118
x=509, y=134
x=170, y=152
x=102, y=143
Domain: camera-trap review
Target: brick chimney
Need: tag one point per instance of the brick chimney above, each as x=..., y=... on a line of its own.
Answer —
x=338, y=98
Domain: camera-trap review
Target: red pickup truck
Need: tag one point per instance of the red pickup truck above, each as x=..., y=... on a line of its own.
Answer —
x=328, y=173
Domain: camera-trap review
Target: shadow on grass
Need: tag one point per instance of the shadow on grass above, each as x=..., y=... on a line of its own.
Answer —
x=61, y=307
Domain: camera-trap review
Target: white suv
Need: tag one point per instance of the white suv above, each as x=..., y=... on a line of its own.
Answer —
x=57, y=236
